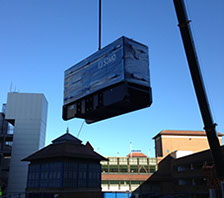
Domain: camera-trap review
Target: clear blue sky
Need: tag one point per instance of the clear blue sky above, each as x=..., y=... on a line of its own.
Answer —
x=40, y=39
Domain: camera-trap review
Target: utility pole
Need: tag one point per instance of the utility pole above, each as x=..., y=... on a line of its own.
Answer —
x=209, y=125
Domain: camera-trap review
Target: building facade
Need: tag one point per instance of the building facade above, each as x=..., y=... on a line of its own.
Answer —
x=168, y=141
x=185, y=167
x=189, y=176
x=6, y=139
x=125, y=174
x=66, y=168
x=27, y=112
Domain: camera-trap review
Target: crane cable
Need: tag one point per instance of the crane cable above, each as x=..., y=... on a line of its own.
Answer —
x=99, y=25
x=99, y=48
x=81, y=128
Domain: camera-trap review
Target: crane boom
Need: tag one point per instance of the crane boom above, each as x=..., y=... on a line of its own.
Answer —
x=193, y=63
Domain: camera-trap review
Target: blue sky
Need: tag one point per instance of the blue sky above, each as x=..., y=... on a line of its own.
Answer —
x=40, y=39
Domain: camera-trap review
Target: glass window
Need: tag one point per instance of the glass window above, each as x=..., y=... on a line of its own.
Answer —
x=53, y=176
x=143, y=169
x=59, y=174
x=33, y=175
x=113, y=168
x=133, y=160
x=9, y=143
x=114, y=182
x=124, y=182
x=135, y=182
x=111, y=159
x=152, y=169
x=123, y=161
x=142, y=161
x=123, y=169
x=152, y=160
x=105, y=168
x=133, y=169
x=104, y=182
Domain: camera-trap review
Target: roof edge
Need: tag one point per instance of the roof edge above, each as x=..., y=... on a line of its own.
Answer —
x=181, y=133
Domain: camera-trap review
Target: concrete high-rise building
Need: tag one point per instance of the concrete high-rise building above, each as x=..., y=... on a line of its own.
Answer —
x=27, y=112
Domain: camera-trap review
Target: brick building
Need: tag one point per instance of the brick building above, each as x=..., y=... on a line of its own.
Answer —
x=168, y=141
x=185, y=166
x=182, y=177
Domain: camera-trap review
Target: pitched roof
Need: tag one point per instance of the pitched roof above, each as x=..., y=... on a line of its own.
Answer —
x=136, y=154
x=66, y=146
x=183, y=133
x=67, y=137
x=88, y=145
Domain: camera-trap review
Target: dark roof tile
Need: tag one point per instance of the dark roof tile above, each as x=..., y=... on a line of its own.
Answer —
x=67, y=137
x=66, y=146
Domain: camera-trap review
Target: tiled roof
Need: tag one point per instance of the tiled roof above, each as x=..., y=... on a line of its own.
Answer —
x=66, y=146
x=136, y=154
x=123, y=177
x=184, y=133
x=67, y=137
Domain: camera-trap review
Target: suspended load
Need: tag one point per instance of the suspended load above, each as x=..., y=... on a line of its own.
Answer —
x=113, y=81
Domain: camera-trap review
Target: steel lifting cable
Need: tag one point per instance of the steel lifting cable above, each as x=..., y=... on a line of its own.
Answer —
x=99, y=25
x=99, y=48
x=81, y=128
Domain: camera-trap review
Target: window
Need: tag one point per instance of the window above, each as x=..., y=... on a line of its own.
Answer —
x=8, y=143
x=94, y=174
x=113, y=160
x=135, y=182
x=44, y=174
x=133, y=161
x=105, y=168
x=123, y=161
x=143, y=161
x=82, y=182
x=197, y=165
x=105, y=182
x=33, y=175
x=183, y=168
x=185, y=182
x=70, y=174
x=54, y=174
x=152, y=169
x=113, y=168
x=143, y=169
x=133, y=169
x=10, y=129
x=152, y=160
x=124, y=182
x=114, y=182
x=123, y=169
